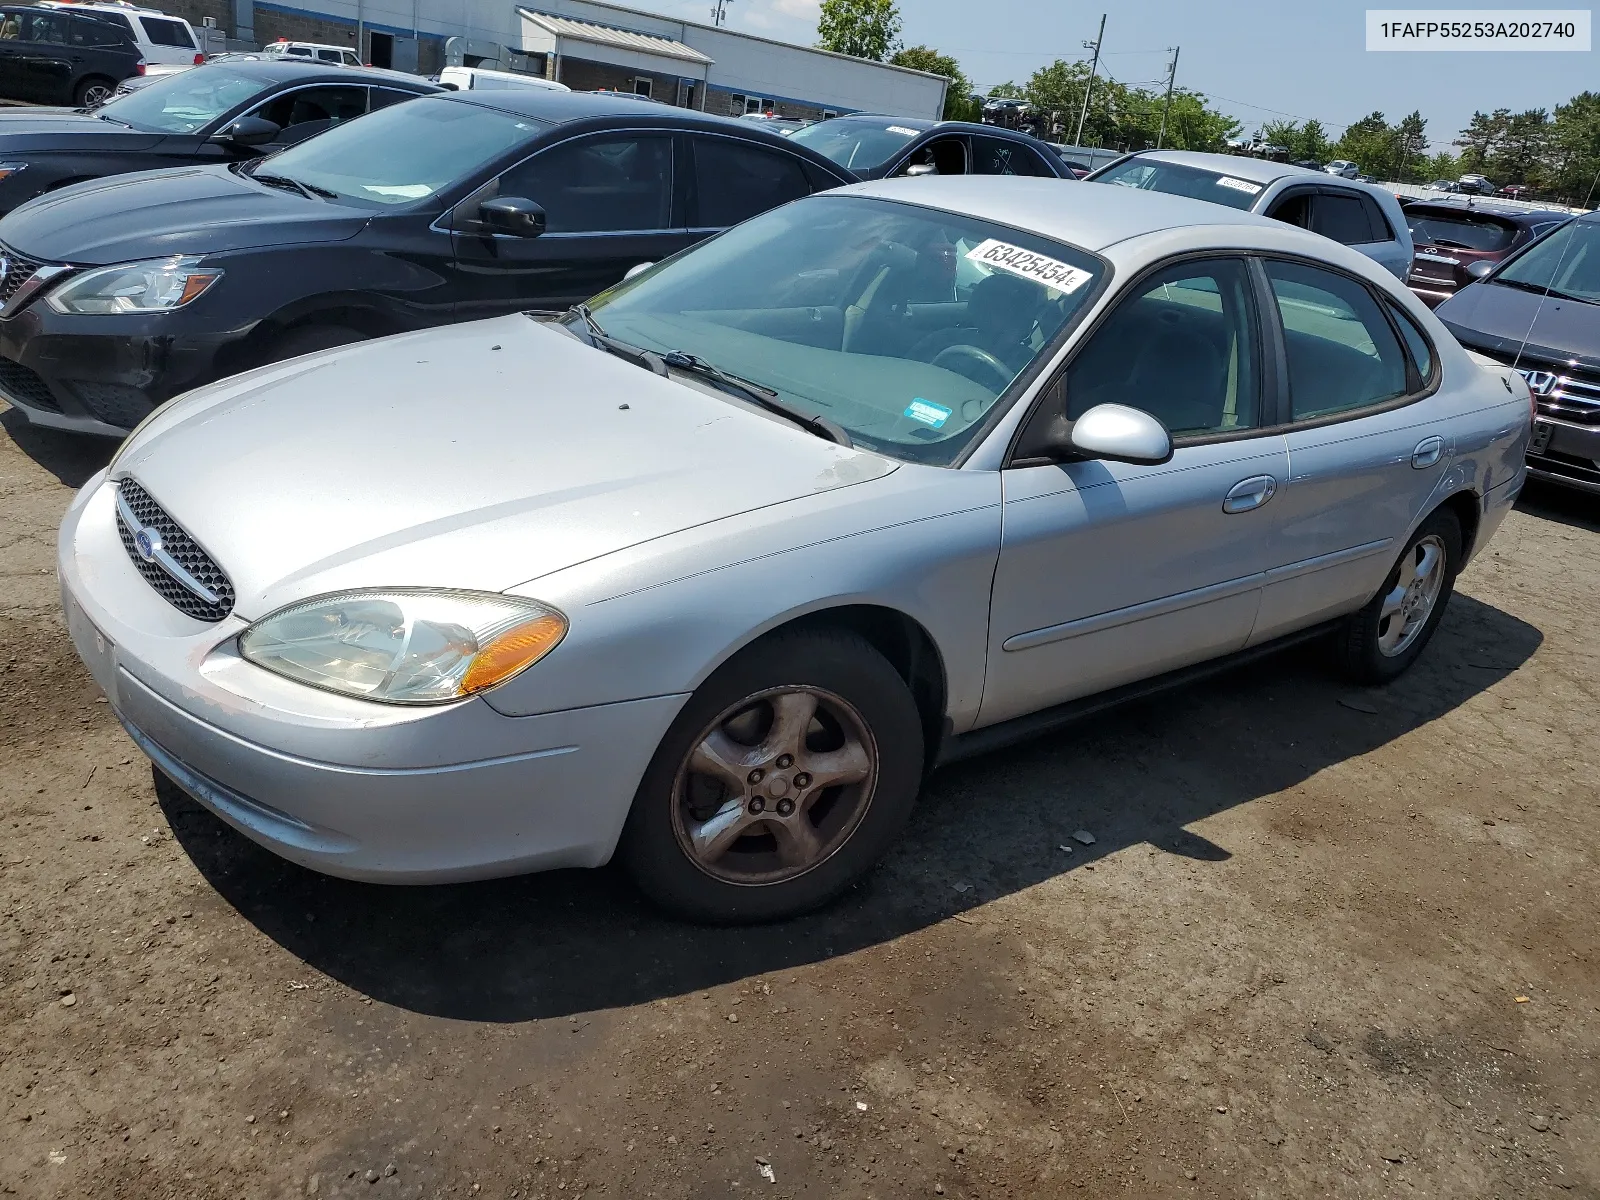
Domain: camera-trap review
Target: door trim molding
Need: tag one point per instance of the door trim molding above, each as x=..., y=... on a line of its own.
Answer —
x=1135, y=612
x=1309, y=566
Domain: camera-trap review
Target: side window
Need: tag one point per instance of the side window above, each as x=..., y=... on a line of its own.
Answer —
x=298, y=51
x=1421, y=353
x=10, y=26
x=1341, y=218
x=167, y=33
x=43, y=26
x=383, y=97
x=321, y=106
x=597, y=185
x=946, y=155
x=1293, y=209
x=1342, y=354
x=995, y=156
x=1382, y=231
x=330, y=56
x=735, y=180
x=1183, y=348
x=87, y=31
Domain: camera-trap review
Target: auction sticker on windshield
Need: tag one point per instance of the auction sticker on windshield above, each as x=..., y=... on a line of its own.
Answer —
x=1239, y=185
x=1003, y=256
x=902, y=130
x=927, y=412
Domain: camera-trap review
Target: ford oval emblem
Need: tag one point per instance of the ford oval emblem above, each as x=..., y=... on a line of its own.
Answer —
x=147, y=542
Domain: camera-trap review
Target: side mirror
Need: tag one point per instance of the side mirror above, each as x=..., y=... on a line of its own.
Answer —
x=514, y=215
x=249, y=131
x=1479, y=269
x=1121, y=434
x=638, y=269
x=916, y=170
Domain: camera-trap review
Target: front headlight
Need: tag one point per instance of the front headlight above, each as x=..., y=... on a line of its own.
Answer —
x=404, y=645
x=154, y=286
x=8, y=169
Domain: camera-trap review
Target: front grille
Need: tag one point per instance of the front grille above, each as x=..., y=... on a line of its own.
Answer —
x=19, y=269
x=1576, y=397
x=183, y=548
x=114, y=403
x=25, y=385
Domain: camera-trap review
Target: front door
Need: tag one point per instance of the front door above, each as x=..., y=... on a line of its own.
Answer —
x=1110, y=572
x=1367, y=445
x=46, y=66
x=610, y=204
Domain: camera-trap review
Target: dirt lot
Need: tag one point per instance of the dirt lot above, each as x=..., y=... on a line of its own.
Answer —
x=1326, y=942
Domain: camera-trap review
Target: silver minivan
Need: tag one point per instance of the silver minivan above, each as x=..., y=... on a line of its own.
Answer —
x=1361, y=216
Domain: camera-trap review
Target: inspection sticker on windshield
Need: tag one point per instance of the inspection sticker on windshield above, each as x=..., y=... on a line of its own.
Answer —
x=1239, y=185
x=1002, y=256
x=901, y=129
x=927, y=412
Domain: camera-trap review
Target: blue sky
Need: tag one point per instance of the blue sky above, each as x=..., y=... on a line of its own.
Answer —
x=1306, y=58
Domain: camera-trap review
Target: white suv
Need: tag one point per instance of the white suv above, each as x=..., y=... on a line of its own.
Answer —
x=342, y=55
x=161, y=39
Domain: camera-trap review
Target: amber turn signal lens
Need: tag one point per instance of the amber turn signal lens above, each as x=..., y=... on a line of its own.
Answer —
x=516, y=648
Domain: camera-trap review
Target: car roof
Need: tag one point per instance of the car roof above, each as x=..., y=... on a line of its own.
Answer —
x=276, y=68
x=558, y=108
x=1088, y=215
x=1256, y=170
x=1531, y=216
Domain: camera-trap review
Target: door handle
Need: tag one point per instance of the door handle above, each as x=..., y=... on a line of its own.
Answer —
x=1249, y=493
x=1429, y=450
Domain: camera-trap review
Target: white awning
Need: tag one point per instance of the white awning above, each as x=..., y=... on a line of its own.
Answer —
x=545, y=33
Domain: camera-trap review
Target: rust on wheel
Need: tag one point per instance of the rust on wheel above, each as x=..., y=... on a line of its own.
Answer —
x=774, y=785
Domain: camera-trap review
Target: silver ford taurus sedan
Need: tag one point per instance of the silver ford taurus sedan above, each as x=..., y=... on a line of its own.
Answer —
x=709, y=574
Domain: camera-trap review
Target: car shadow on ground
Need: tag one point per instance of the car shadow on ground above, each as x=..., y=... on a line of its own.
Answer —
x=70, y=457
x=1555, y=503
x=574, y=941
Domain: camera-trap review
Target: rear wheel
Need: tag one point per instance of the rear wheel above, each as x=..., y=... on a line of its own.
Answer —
x=1380, y=642
x=93, y=92
x=783, y=780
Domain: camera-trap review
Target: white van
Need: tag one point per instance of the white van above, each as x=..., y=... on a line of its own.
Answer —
x=161, y=39
x=467, y=79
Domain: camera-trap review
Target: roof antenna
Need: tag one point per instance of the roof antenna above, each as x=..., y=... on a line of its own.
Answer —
x=1549, y=284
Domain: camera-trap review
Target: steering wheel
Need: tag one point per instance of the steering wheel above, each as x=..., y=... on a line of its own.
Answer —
x=955, y=358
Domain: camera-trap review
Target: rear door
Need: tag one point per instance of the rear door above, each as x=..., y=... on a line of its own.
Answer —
x=731, y=180
x=1005, y=156
x=45, y=64
x=610, y=202
x=1368, y=436
x=168, y=40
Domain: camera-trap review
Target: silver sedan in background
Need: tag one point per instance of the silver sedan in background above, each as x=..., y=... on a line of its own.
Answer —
x=709, y=574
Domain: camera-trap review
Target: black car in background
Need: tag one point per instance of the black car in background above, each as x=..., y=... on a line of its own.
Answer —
x=221, y=112
x=1451, y=235
x=873, y=147
x=1539, y=311
x=55, y=56
x=124, y=292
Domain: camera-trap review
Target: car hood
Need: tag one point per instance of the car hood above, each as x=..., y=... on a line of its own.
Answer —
x=475, y=456
x=31, y=130
x=1496, y=318
x=182, y=210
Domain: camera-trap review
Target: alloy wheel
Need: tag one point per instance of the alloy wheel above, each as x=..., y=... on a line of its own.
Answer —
x=1410, y=602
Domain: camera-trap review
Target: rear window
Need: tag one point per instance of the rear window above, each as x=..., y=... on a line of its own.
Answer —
x=167, y=33
x=1150, y=175
x=1461, y=232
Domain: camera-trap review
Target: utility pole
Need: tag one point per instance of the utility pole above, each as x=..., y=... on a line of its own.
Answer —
x=1077, y=138
x=719, y=13
x=1172, y=74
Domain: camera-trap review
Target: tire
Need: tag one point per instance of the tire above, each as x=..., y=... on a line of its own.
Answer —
x=96, y=89
x=309, y=339
x=1370, y=647
x=756, y=837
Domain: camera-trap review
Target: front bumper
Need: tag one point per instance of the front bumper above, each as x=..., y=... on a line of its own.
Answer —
x=1570, y=456
x=365, y=791
x=103, y=374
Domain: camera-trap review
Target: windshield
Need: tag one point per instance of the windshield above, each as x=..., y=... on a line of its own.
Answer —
x=1461, y=232
x=403, y=153
x=903, y=325
x=1567, y=262
x=1151, y=175
x=184, y=102
x=858, y=145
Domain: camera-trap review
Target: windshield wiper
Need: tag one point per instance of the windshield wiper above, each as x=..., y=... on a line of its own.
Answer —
x=309, y=190
x=101, y=116
x=758, y=394
x=601, y=340
x=1540, y=289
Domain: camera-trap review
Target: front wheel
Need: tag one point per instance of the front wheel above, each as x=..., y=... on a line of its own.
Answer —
x=1380, y=642
x=783, y=780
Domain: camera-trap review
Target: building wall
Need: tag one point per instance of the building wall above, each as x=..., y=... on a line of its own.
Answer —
x=196, y=11
x=583, y=76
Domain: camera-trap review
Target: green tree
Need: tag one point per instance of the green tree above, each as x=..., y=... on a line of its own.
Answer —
x=859, y=28
x=1575, y=149
x=958, y=105
x=1521, y=157
x=1482, y=138
x=1285, y=134
x=1370, y=143
x=1314, y=143
x=1194, y=125
x=1008, y=91
x=1442, y=165
x=1410, y=147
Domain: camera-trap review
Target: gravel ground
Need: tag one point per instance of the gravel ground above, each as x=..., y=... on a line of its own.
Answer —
x=1325, y=942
